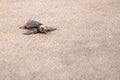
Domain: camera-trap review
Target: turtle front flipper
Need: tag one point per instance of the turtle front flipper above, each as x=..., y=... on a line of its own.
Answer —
x=31, y=31
x=51, y=29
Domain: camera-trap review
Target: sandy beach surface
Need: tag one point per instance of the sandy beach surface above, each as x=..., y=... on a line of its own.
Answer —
x=85, y=46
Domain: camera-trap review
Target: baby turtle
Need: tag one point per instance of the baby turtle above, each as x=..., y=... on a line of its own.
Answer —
x=34, y=27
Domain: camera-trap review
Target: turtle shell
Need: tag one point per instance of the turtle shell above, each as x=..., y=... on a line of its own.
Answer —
x=32, y=24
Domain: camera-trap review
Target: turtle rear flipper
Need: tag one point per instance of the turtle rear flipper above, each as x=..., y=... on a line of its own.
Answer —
x=32, y=31
x=28, y=33
x=22, y=27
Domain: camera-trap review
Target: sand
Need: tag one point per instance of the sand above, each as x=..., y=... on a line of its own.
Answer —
x=85, y=46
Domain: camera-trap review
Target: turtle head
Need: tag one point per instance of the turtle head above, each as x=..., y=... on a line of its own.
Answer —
x=43, y=29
